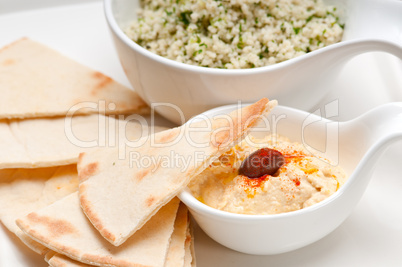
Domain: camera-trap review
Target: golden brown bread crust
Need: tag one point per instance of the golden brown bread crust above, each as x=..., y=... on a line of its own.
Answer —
x=95, y=220
x=88, y=171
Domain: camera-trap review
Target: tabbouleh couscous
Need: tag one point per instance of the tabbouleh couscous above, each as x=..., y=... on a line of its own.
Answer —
x=234, y=34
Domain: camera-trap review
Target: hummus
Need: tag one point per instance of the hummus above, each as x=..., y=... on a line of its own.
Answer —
x=303, y=180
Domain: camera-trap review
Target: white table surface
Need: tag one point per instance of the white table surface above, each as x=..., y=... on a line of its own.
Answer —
x=371, y=236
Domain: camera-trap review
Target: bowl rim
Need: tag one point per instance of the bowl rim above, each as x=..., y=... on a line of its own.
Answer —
x=187, y=198
x=110, y=18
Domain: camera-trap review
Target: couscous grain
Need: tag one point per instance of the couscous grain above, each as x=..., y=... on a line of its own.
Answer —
x=234, y=34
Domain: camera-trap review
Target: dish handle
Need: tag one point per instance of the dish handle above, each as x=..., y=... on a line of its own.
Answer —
x=380, y=19
x=385, y=126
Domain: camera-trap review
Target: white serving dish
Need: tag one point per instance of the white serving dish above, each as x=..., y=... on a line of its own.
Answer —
x=355, y=145
x=300, y=82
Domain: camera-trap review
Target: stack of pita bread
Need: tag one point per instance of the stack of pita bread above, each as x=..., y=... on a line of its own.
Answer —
x=96, y=205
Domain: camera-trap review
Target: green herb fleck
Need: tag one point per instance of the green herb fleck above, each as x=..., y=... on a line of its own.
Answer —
x=185, y=17
x=296, y=30
x=240, y=44
x=197, y=52
x=283, y=27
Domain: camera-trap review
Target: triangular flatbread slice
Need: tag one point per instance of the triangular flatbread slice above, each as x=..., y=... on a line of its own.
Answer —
x=49, y=142
x=189, y=257
x=176, y=253
x=36, y=81
x=49, y=255
x=120, y=192
x=25, y=190
x=174, y=257
x=30, y=243
x=63, y=228
x=60, y=260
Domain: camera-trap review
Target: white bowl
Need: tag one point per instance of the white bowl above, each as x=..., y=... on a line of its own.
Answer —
x=355, y=145
x=180, y=91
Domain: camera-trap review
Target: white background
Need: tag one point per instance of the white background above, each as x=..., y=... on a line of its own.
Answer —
x=371, y=236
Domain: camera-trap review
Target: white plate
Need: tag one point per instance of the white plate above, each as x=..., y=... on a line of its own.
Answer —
x=371, y=236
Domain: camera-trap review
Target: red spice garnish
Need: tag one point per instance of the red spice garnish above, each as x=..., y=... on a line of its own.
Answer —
x=250, y=185
x=290, y=158
x=256, y=182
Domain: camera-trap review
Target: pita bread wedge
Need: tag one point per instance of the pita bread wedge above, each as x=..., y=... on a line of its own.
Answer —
x=176, y=253
x=36, y=81
x=49, y=142
x=25, y=190
x=30, y=243
x=49, y=255
x=60, y=260
x=189, y=257
x=174, y=257
x=63, y=228
x=119, y=195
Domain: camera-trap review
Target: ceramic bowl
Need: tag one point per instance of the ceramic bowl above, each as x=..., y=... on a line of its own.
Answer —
x=179, y=91
x=355, y=145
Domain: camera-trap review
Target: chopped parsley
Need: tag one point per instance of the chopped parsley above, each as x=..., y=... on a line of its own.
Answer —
x=185, y=17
